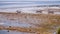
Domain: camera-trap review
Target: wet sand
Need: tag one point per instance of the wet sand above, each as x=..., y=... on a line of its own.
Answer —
x=31, y=23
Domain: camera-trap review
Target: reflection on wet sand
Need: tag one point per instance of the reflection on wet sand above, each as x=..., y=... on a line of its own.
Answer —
x=30, y=23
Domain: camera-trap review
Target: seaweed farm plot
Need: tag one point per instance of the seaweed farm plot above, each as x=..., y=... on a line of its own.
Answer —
x=29, y=23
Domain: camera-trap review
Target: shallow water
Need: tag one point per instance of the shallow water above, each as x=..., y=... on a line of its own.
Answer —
x=17, y=32
x=13, y=32
x=32, y=6
x=6, y=22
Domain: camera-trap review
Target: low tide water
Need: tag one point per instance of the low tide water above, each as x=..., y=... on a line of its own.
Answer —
x=13, y=32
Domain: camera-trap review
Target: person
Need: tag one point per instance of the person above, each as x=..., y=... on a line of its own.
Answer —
x=8, y=31
x=9, y=26
x=39, y=11
x=18, y=11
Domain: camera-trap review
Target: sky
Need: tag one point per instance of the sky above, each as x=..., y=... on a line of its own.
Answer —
x=29, y=0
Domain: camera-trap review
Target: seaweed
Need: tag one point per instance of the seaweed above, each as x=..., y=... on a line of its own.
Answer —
x=58, y=32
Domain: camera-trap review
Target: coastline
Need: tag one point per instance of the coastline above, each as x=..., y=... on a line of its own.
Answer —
x=37, y=21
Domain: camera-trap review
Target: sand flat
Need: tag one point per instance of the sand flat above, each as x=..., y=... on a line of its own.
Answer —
x=38, y=23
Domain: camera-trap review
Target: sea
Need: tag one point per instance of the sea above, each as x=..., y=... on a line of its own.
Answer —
x=12, y=6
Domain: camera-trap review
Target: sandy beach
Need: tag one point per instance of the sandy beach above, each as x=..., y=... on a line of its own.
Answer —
x=31, y=23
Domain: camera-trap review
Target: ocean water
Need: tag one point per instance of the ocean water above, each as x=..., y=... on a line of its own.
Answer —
x=20, y=4
x=12, y=6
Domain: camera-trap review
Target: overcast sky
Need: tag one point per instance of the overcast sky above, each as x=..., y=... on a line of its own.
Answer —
x=29, y=0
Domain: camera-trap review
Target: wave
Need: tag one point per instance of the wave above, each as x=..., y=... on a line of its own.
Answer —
x=19, y=4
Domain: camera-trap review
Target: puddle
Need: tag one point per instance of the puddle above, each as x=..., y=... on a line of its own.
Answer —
x=13, y=32
x=14, y=23
x=17, y=32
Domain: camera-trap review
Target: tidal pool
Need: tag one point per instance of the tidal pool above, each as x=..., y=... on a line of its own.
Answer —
x=13, y=32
